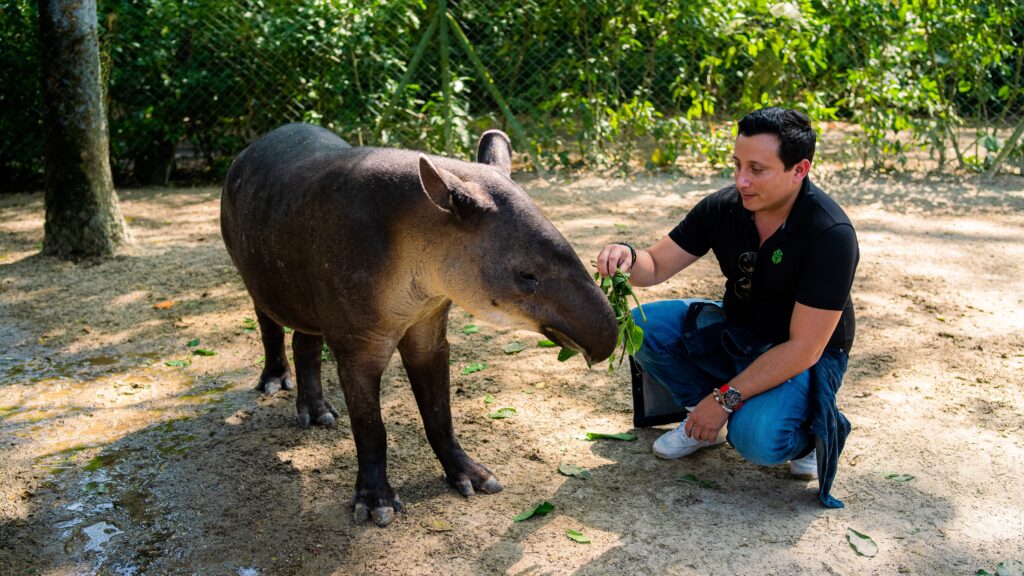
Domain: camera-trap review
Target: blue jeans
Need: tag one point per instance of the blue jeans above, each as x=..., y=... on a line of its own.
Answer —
x=769, y=429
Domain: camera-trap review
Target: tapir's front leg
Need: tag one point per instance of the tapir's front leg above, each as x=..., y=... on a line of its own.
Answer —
x=424, y=350
x=359, y=371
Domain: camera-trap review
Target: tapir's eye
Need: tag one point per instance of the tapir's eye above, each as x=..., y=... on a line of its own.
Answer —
x=528, y=282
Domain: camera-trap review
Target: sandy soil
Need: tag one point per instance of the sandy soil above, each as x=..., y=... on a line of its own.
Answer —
x=113, y=462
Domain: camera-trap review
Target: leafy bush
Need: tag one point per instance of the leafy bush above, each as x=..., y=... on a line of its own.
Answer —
x=595, y=83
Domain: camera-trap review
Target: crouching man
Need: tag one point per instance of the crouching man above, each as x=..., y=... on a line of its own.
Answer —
x=769, y=357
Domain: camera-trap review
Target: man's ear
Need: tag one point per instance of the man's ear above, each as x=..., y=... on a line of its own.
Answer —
x=801, y=169
x=449, y=193
x=495, y=149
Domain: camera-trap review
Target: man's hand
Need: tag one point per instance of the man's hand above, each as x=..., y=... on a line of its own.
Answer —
x=612, y=257
x=706, y=420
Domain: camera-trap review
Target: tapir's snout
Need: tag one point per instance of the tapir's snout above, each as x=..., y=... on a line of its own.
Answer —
x=589, y=327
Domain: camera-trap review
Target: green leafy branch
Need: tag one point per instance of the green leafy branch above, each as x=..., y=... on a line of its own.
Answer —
x=630, y=336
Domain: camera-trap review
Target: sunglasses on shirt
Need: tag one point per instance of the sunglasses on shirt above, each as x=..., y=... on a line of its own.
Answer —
x=745, y=285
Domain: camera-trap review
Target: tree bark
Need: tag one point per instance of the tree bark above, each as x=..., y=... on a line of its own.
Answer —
x=83, y=218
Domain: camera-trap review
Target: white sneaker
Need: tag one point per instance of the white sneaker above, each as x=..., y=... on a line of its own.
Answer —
x=805, y=468
x=676, y=444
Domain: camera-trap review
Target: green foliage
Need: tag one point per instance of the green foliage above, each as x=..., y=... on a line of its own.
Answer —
x=21, y=116
x=595, y=83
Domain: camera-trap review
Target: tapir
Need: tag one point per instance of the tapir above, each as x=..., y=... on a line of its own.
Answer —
x=366, y=249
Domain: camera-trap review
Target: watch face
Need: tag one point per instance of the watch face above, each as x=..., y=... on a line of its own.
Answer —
x=732, y=397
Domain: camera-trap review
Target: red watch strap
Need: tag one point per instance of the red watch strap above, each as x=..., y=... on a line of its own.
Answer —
x=725, y=388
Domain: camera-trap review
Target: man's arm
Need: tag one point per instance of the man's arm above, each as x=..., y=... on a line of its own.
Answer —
x=653, y=265
x=809, y=332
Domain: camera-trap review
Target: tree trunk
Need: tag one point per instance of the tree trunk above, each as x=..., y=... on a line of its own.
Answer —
x=83, y=218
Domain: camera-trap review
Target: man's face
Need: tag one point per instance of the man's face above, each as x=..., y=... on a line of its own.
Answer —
x=761, y=178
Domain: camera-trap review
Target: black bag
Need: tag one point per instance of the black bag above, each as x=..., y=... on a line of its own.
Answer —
x=652, y=403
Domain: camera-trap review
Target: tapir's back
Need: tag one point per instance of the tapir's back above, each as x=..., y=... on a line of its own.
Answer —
x=270, y=170
x=301, y=212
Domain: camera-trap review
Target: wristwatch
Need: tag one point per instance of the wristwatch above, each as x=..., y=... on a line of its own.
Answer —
x=729, y=398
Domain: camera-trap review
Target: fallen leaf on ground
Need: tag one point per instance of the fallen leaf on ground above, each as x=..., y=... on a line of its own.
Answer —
x=546, y=344
x=438, y=525
x=165, y=305
x=861, y=543
x=203, y=352
x=899, y=477
x=709, y=484
x=470, y=329
x=573, y=470
x=1006, y=568
x=538, y=510
x=515, y=347
x=502, y=413
x=488, y=399
x=177, y=363
x=577, y=536
x=474, y=367
x=620, y=436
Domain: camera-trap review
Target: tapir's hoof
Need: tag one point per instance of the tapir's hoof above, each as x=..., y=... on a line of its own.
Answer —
x=492, y=486
x=467, y=476
x=271, y=384
x=382, y=515
x=322, y=415
x=464, y=487
x=467, y=486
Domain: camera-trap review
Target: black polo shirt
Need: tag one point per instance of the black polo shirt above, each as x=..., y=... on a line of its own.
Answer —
x=811, y=259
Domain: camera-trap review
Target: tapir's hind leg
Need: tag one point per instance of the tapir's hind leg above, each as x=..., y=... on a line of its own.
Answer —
x=424, y=350
x=310, y=402
x=276, y=372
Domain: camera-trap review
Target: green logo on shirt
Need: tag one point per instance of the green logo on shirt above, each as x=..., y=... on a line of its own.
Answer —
x=777, y=256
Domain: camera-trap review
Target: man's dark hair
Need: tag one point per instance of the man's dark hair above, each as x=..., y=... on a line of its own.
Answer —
x=796, y=137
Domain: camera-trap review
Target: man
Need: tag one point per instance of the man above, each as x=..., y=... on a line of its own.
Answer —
x=770, y=357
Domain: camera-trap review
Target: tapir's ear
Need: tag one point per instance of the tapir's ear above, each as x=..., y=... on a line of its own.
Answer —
x=495, y=149
x=451, y=194
x=434, y=185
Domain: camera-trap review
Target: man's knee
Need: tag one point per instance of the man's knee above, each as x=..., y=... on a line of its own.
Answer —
x=766, y=445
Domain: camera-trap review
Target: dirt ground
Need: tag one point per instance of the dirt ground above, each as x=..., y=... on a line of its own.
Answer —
x=114, y=462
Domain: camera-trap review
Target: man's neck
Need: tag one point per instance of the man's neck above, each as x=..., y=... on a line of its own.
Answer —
x=771, y=219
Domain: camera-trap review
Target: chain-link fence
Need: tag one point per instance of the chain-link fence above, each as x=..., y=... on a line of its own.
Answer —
x=575, y=82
